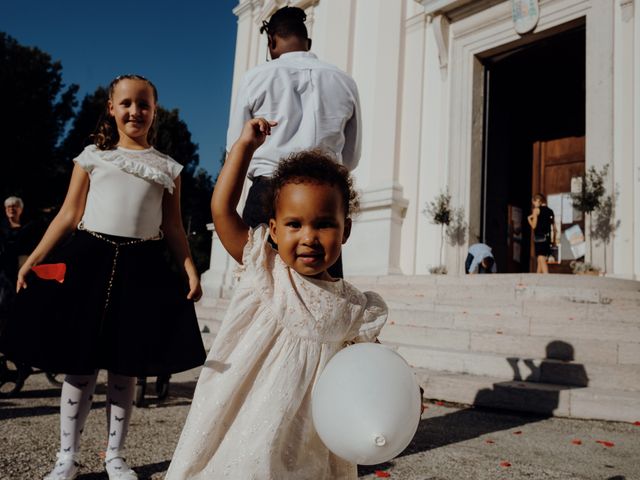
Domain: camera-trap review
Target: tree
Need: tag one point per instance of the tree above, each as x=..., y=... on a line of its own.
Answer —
x=36, y=106
x=439, y=211
x=590, y=196
x=605, y=224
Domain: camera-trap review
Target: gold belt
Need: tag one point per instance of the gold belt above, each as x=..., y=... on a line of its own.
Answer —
x=117, y=246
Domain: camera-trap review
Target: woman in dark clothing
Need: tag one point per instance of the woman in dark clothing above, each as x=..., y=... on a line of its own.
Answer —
x=543, y=224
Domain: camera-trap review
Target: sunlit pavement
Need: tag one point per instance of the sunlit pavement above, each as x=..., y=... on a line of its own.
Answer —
x=452, y=442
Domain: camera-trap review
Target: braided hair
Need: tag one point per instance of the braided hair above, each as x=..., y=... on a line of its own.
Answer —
x=286, y=22
x=106, y=136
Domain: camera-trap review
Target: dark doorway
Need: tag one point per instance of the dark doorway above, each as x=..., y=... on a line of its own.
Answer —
x=533, y=93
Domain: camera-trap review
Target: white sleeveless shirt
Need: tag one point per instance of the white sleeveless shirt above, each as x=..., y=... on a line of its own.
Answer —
x=126, y=189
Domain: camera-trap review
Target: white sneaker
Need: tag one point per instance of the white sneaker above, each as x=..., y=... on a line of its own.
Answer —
x=66, y=467
x=117, y=469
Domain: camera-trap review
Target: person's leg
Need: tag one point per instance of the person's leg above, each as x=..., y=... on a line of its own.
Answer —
x=120, y=392
x=542, y=264
x=467, y=263
x=75, y=404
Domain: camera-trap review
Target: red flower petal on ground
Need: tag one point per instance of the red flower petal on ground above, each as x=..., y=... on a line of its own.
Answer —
x=51, y=271
x=440, y=403
x=637, y=424
x=605, y=443
x=505, y=464
x=392, y=322
x=575, y=441
x=382, y=474
x=488, y=440
x=519, y=432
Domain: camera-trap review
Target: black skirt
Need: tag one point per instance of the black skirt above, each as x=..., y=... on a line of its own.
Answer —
x=542, y=248
x=119, y=308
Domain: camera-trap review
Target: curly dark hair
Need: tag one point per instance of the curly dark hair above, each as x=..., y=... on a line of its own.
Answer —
x=316, y=167
x=286, y=22
x=106, y=136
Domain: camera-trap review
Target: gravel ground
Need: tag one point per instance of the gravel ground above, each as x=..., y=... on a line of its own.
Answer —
x=452, y=442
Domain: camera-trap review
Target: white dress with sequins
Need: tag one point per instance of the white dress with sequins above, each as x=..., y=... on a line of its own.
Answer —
x=251, y=412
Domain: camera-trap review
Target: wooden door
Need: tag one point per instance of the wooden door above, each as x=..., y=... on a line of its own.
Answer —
x=555, y=163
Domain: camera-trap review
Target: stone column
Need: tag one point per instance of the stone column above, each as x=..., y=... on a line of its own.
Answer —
x=600, y=100
x=413, y=96
x=625, y=182
x=434, y=133
x=636, y=146
x=374, y=247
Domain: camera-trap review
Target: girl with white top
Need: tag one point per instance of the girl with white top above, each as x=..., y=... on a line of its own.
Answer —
x=251, y=411
x=98, y=291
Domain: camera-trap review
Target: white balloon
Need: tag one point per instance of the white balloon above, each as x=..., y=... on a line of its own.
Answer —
x=366, y=404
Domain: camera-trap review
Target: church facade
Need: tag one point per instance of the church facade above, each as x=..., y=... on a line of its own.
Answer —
x=489, y=101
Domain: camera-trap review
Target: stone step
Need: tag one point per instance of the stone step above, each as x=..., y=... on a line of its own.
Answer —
x=525, y=280
x=542, y=370
x=615, y=312
x=505, y=288
x=573, y=322
x=534, y=397
x=520, y=344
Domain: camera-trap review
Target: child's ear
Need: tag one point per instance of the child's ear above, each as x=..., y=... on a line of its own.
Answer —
x=272, y=230
x=347, y=230
x=110, y=108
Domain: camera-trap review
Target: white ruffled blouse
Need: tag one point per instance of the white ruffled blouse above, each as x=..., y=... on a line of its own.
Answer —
x=126, y=189
x=251, y=411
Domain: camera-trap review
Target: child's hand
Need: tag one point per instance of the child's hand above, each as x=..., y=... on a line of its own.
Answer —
x=195, y=289
x=22, y=274
x=255, y=131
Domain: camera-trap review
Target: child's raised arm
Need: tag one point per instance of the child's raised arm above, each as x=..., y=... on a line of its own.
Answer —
x=226, y=195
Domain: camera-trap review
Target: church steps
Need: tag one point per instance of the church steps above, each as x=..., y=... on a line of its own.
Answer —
x=542, y=398
x=536, y=369
x=476, y=337
x=589, y=350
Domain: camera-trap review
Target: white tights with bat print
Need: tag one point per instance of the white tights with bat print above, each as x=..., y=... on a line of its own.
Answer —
x=75, y=404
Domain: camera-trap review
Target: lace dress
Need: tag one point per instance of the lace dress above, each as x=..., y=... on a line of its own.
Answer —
x=251, y=412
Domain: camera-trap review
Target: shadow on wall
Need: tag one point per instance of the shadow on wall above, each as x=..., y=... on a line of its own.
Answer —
x=539, y=390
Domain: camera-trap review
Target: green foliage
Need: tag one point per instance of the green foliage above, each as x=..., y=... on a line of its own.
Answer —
x=604, y=224
x=36, y=107
x=590, y=197
x=439, y=210
x=592, y=191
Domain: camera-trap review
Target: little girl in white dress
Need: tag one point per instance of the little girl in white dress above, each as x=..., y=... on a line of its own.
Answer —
x=251, y=411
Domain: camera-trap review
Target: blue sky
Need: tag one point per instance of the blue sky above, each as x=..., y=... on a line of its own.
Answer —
x=185, y=47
